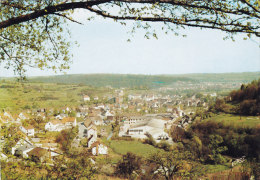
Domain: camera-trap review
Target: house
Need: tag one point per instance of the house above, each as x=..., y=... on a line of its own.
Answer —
x=97, y=120
x=86, y=98
x=54, y=125
x=69, y=122
x=86, y=129
x=61, y=116
x=22, y=147
x=97, y=149
x=23, y=116
x=96, y=98
x=28, y=130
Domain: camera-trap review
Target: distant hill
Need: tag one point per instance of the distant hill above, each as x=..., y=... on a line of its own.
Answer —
x=143, y=81
x=114, y=80
x=244, y=77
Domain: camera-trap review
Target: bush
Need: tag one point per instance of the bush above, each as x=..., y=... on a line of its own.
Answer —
x=164, y=145
x=150, y=140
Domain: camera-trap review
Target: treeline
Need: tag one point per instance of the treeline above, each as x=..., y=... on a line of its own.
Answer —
x=244, y=101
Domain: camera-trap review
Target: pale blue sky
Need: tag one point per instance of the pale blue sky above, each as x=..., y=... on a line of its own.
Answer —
x=104, y=49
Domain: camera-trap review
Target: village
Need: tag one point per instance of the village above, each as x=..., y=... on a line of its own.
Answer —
x=131, y=115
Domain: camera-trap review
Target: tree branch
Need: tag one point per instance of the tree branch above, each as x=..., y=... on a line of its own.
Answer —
x=49, y=10
x=66, y=17
x=243, y=28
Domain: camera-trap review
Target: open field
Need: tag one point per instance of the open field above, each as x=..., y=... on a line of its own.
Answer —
x=14, y=96
x=136, y=147
x=236, y=120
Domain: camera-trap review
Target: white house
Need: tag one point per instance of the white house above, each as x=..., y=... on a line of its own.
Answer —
x=86, y=98
x=28, y=130
x=54, y=125
x=57, y=125
x=22, y=147
x=98, y=148
x=88, y=130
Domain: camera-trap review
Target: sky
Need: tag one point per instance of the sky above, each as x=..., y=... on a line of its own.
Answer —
x=103, y=48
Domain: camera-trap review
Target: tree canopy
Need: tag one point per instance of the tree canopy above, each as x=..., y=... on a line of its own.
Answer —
x=35, y=33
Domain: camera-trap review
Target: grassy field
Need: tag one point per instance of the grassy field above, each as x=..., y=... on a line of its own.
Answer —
x=230, y=119
x=136, y=147
x=14, y=96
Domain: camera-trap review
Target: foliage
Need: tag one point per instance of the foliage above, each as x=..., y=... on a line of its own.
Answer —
x=177, y=133
x=76, y=168
x=42, y=43
x=11, y=137
x=34, y=33
x=248, y=98
x=215, y=142
x=150, y=140
x=218, y=139
x=162, y=144
x=65, y=138
x=174, y=164
x=129, y=163
x=221, y=106
x=62, y=168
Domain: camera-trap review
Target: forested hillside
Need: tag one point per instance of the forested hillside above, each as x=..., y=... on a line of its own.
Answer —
x=244, y=101
x=248, y=97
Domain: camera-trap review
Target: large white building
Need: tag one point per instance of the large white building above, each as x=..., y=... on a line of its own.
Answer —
x=155, y=127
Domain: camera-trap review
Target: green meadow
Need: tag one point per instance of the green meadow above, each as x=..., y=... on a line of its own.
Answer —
x=136, y=147
x=236, y=120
